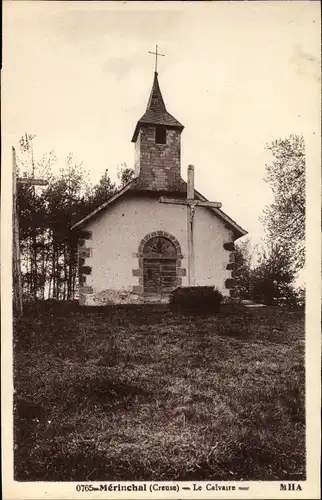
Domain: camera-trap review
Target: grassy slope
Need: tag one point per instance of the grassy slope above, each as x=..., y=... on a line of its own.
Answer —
x=141, y=393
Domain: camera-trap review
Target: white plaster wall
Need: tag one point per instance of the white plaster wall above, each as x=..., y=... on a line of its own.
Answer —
x=117, y=232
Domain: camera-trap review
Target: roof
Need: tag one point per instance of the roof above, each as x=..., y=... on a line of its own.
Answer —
x=156, y=112
x=131, y=186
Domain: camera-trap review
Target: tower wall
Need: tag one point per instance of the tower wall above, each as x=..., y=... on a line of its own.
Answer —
x=158, y=165
x=137, y=155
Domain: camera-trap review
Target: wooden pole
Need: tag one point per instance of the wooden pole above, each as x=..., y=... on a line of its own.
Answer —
x=16, y=265
x=191, y=212
x=17, y=288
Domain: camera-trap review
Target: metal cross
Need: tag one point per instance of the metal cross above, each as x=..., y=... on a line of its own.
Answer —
x=156, y=53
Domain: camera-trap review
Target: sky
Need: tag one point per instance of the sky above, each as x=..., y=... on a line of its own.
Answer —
x=237, y=75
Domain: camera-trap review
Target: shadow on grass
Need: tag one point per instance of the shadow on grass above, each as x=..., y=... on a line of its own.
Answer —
x=104, y=394
x=101, y=393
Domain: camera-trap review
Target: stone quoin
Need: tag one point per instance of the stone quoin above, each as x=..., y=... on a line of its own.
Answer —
x=133, y=248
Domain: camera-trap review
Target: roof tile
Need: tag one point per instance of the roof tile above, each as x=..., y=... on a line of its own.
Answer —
x=156, y=112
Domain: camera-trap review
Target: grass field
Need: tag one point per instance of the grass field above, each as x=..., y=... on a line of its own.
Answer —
x=140, y=393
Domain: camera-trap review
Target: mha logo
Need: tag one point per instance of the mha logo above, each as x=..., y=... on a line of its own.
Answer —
x=290, y=487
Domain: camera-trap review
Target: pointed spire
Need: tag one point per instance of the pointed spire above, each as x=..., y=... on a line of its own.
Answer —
x=156, y=112
x=156, y=101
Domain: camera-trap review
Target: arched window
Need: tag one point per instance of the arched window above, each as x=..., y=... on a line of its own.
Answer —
x=159, y=247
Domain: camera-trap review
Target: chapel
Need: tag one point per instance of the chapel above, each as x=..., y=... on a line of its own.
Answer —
x=136, y=247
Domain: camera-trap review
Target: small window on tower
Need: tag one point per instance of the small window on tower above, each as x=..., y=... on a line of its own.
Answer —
x=160, y=135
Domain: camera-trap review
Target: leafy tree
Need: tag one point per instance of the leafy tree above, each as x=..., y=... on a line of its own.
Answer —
x=105, y=188
x=32, y=213
x=101, y=192
x=65, y=200
x=285, y=217
x=46, y=214
x=243, y=270
x=125, y=174
x=272, y=279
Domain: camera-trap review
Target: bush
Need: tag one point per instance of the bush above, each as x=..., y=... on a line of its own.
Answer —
x=300, y=297
x=198, y=299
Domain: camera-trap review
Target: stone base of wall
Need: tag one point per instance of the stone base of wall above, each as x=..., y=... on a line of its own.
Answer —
x=118, y=297
x=110, y=297
x=156, y=299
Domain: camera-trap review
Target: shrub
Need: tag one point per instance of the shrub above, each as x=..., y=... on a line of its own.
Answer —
x=300, y=297
x=197, y=299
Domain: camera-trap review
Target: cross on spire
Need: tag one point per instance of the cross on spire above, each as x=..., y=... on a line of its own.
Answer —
x=156, y=53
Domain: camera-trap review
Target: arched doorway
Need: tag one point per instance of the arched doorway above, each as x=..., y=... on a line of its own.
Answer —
x=159, y=267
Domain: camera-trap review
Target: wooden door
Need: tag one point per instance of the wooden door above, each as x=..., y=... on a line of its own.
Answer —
x=159, y=268
x=159, y=276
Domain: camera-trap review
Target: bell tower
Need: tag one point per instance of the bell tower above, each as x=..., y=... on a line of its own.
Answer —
x=157, y=138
